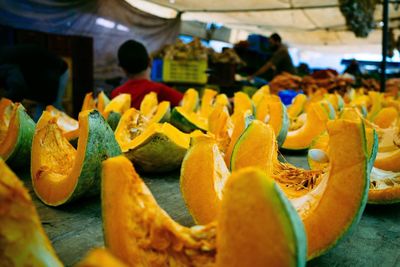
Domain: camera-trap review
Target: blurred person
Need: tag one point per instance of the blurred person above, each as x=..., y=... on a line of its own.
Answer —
x=28, y=71
x=135, y=62
x=353, y=68
x=280, y=61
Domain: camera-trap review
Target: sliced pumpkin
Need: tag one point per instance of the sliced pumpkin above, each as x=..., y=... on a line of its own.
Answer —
x=256, y=97
x=149, y=104
x=60, y=173
x=23, y=240
x=102, y=101
x=190, y=100
x=187, y=121
x=388, y=161
x=100, y=257
x=240, y=122
x=65, y=122
x=242, y=102
x=257, y=225
x=16, y=133
x=162, y=113
x=202, y=184
x=222, y=100
x=315, y=124
x=221, y=126
x=317, y=195
x=88, y=102
x=144, y=234
x=386, y=117
x=376, y=104
x=271, y=110
x=131, y=125
x=118, y=104
x=160, y=148
x=207, y=102
x=297, y=106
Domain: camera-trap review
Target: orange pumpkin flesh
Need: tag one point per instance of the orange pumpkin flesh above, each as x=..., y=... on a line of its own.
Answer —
x=131, y=125
x=315, y=124
x=118, y=104
x=315, y=193
x=88, y=102
x=201, y=184
x=207, y=102
x=144, y=234
x=100, y=257
x=23, y=240
x=6, y=108
x=264, y=234
x=61, y=173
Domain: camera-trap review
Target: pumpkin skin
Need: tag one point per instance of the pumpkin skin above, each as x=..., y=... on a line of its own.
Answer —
x=100, y=257
x=160, y=148
x=145, y=235
x=16, y=141
x=349, y=157
x=187, y=122
x=301, y=139
x=23, y=240
x=60, y=173
x=201, y=184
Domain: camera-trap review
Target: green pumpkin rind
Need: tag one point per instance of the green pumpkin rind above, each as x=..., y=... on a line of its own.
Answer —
x=113, y=119
x=285, y=127
x=21, y=154
x=101, y=145
x=157, y=154
x=182, y=123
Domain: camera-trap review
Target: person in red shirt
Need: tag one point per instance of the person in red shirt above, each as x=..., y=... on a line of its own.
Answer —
x=135, y=61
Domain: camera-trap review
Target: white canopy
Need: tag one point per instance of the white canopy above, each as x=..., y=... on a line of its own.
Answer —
x=302, y=23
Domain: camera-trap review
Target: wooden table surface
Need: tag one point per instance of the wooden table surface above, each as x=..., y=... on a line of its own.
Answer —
x=77, y=227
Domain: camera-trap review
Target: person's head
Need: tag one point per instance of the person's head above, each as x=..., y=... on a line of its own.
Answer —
x=275, y=40
x=133, y=57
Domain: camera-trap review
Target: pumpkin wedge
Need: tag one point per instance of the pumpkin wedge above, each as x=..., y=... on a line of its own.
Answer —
x=187, y=121
x=297, y=106
x=386, y=117
x=149, y=104
x=118, y=104
x=221, y=126
x=207, y=101
x=102, y=101
x=315, y=124
x=144, y=234
x=88, y=102
x=190, y=100
x=16, y=133
x=271, y=110
x=160, y=148
x=23, y=240
x=257, y=225
x=240, y=122
x=65, y=122
x=242, y=102
x=201, y=184
x=60, y=173
x=100, y=257
x=317, y=195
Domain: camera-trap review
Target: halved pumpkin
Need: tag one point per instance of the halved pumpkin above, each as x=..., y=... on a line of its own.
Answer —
x=190, y=100
x=160, y=148
x=60, y=173
x=161, y=114
x=23, y=240
x=315, y=124
x=297, y=106
x=202, y=184
x=187, y=121
x=317, y=195
x=271, y=110
x=16, y=133
x=100, y=257
x=131, y=125
x=144, y=234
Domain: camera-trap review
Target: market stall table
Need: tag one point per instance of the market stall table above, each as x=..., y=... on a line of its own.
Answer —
x=77, y=227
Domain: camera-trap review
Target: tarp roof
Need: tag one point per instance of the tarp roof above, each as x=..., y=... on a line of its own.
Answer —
x=300, y=22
